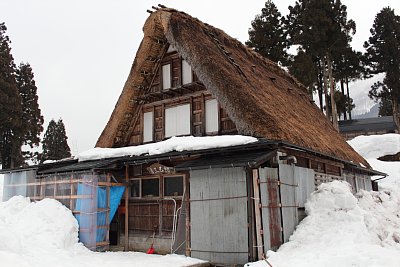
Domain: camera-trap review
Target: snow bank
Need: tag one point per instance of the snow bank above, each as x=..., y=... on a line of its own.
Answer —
x=1, y=186
x=46, y=224
x=343, y=230
x=45, y=234
x=186, y=143
x=346, y=230
x=374, y=146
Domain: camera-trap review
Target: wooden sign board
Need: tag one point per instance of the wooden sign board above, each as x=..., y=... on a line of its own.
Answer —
x=157, y=168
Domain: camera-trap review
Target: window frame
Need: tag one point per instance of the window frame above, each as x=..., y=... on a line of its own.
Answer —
x=217, y=118
x=185, y=63
x=152, y=127
x=161, y=186
x=177, y=120
x=171, y=176
x=162, y=75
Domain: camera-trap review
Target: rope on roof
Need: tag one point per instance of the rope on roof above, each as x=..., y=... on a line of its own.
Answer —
x=226, y=53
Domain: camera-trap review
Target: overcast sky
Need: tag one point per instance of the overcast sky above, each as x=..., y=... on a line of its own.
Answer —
x=81, y=51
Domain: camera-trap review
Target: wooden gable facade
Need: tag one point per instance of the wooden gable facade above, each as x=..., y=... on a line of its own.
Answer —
x=178, y=104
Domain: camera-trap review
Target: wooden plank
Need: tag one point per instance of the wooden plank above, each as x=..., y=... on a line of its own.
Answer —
x=64, y=197
x=313, y=157
x=64, y=181
x=288, y=190
x=108, y=208
x=127, y=189
x=111, y=184
x=256, y=188
x=187, y=222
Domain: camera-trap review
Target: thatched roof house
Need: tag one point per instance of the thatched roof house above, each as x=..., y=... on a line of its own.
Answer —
x=226, y=200
x=261, y=98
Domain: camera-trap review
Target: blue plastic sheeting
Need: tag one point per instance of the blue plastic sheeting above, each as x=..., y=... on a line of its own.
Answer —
x=88, y=219
x=116, y=193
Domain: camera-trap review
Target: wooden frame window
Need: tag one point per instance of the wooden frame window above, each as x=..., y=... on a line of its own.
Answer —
x=148, y=126
x=135, y=188
x=177, y=120
x=187, y=76
x=150, y=187
x=166, y=76
x=173, y=186
x=212, y=116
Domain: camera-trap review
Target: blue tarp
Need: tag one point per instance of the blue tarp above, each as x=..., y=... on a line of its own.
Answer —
x=88, y=219
x=116, y=193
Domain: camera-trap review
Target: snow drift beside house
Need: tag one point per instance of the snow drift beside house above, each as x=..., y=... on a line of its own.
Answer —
x=186, y=143
x=346, y=230
x=343, y=230
x=45, y=234
x=1, y=186
x=46, y=224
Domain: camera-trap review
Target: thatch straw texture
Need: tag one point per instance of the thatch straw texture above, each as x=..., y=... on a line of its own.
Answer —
x=260, y=97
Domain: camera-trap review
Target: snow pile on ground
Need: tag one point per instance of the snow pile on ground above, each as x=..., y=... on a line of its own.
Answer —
x=46, y=224
x=374, y=146
x=186, y=143
x=1, y=186
x=45, y=234
x=343, y=230
x=346, y=230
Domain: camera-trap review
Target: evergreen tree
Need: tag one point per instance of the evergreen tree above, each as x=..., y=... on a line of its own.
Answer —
x=383, y=56
x=10, y=107
x=321, y=28
x=54, y=143
x=348, y=66
x=342, y=103
x=32, y=119
x=267, y=35
x=304, y=69
x=385, y=107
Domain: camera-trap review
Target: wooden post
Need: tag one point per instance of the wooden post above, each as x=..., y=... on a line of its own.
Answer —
x=332, y=91
x=257, y=209
x=250, y=216
x=126, y=245
x=108, y=176
x=187, y=205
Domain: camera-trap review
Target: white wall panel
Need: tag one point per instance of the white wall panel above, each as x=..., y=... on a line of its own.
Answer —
x=177, y=120
x=211, y=116
x=166, y=76
x=148, y=126
x=186, y=72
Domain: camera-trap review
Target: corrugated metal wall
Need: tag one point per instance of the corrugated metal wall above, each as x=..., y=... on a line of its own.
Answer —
x=218, y=215
x=289, y=204
x=280, y=199
x=305, y=179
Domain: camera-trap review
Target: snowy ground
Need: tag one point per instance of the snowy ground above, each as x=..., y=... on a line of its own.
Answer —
x=346, y=230
x=1, y=186
x=45, y=233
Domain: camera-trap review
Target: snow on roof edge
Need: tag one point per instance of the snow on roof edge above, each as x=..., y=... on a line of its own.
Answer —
x=179, y=144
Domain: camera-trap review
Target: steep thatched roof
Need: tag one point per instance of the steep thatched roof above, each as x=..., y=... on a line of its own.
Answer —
x=261, y=98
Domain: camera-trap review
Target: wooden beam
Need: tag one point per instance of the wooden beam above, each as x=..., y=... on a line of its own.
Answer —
x=313, y=157
x=108, y=222
x=126, y=245
x=257, y=209
x=187, y=205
